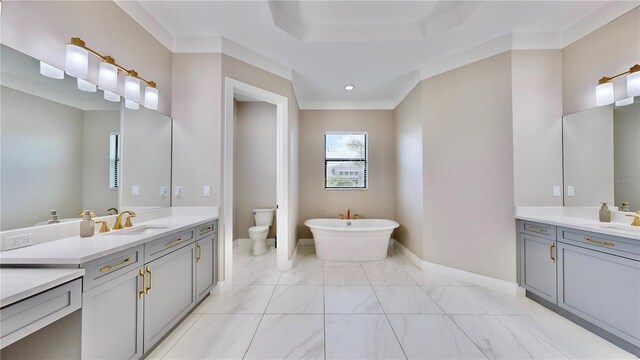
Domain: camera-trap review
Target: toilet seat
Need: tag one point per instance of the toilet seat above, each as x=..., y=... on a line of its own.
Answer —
x=258, y=229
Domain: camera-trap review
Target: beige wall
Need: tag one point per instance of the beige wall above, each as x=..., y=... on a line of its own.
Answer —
x=378, y=201
x=41, y=29
x=409, y=204
x=41, y=160
x=254, y=173
x=610, y=50
x=96, y=194
x=468, y=169
x=537, y=126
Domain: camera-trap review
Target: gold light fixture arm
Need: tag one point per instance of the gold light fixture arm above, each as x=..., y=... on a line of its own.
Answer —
x=606, y=79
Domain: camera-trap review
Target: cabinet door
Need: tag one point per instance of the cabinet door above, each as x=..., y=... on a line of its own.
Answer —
x=538, y=266
x=204, y=266
x=601, y=288
x=170, y=292
x=112, y=318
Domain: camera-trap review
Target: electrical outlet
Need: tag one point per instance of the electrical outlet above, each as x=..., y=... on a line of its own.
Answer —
x=135, y=190
x=570, y=191
x=556, y=191
x=206, y=191
x=163, y=191
x=17, y=241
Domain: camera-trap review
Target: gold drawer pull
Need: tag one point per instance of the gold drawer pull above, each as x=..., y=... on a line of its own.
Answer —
x=553, y=260
x=144, y=283
x=146, y=291
x=199, y=253
x=205, y=229
x=171, y=243
x=598, y=242
x=536, y=229
x=109, y=267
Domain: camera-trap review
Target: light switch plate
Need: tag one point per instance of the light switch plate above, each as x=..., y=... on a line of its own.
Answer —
x=570, y=191
x=17, y=241
x=163, y=191
x=556, y=191
x=178, y=190
x=135, y=190
x=206, y=191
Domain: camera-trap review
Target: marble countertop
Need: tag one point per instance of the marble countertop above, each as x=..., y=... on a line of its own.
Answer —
x=581, y=219
x=76, y=250
x=20, y=283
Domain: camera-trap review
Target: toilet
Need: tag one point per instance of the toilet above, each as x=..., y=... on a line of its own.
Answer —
x=258, y=233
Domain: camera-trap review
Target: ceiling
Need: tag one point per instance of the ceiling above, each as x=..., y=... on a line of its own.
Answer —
x=383, y=48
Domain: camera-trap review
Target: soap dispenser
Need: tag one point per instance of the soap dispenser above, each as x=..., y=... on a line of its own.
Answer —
x=87, y=225
x=605, y=213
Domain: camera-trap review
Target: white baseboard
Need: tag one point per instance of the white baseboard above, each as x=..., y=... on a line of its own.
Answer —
x=249, y=242
x=306, y=242
x=462, y=275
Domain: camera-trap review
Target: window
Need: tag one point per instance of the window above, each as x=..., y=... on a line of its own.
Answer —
x=345, y=160
x=114, y=160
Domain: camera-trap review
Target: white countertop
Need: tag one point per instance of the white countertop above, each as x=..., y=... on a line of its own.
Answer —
x=20, y=283
x=581, y=219
x=76, y=250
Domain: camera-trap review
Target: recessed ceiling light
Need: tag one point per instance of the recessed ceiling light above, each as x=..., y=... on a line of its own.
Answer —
x=349, y=87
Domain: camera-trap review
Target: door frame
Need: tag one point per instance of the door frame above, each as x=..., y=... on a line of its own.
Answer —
x=233, y=87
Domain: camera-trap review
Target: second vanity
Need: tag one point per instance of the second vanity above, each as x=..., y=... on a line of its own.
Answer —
x=584, y=270
x=137, y=283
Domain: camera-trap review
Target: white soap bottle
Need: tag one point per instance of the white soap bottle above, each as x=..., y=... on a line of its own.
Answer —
x=87, y=225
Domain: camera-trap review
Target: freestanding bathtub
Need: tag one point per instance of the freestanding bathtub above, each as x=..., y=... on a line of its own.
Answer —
x=351, y=240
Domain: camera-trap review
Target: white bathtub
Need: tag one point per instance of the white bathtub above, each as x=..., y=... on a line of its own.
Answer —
x=351, y=240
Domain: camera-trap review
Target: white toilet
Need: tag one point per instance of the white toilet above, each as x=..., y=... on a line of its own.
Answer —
x=258, y=233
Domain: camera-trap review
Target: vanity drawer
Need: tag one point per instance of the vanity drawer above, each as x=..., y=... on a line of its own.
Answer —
x=27, y=316
x=609, y=244
x=109, y=267
x=541, y=230
x=167, y=244
x=207, y=229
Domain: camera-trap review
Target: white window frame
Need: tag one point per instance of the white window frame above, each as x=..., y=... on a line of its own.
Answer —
x=366, y=159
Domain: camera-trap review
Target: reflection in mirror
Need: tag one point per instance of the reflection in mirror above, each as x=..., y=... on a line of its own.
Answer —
x=64, y=149
x=601, y=150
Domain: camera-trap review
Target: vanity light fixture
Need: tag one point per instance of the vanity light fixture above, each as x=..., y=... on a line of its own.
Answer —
x=604, y=90
x=51, y=71
x=625, y=102
x=349, y=87
x=77, y=65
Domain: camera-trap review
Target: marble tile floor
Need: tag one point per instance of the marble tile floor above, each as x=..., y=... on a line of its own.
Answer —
x=382, y=310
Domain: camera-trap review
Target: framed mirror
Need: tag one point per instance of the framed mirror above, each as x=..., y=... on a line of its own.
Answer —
x=66, y=150
x=601, y=154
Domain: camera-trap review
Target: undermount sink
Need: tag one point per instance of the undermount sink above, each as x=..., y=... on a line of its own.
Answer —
x=629, y=228
x=139, y=230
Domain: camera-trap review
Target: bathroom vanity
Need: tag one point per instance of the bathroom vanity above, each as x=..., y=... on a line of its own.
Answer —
x=136, y=284
x=584, y=270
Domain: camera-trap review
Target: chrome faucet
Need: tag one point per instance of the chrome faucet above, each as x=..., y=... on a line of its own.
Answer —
x=118, y=224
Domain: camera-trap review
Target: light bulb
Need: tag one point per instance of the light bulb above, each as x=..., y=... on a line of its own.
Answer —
x=604, y=94
x=108, y=76
x=151, y=98
x=633, y=84
x=84, y=85
x=132, y=87
x=77, y=59
x=51, y=71
x=111, y=96
x=129, y=104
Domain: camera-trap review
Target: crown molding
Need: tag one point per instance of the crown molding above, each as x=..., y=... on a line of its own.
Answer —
x=607, y=13
x=139, y=14
x=346, y=105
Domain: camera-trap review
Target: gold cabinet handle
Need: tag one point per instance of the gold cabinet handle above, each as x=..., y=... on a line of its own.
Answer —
x=144, y=283
x=171, y=243
x=205, y=229
x=536, y=229
x=148, y=289
x=553, y=260
x=198, y=253
x=598, y=242
x=109, y=267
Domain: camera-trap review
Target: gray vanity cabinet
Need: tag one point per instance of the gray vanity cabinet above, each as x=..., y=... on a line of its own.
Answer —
x=169, y=294
x=537, y=265
x=601, y=288
x=204, y=266
x=112, y=316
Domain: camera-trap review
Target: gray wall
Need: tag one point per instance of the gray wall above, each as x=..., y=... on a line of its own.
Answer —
x=41, y=159
x=96, y=194
x=378, y=201
x=409, y=204
x=254, y=173
x=626, y=148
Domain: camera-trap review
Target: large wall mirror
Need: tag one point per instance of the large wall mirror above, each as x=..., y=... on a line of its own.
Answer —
x=66, y=150
x=601, y=149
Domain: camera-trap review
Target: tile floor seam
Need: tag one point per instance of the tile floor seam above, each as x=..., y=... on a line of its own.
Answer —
x=513, y=317
x=183, y=334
